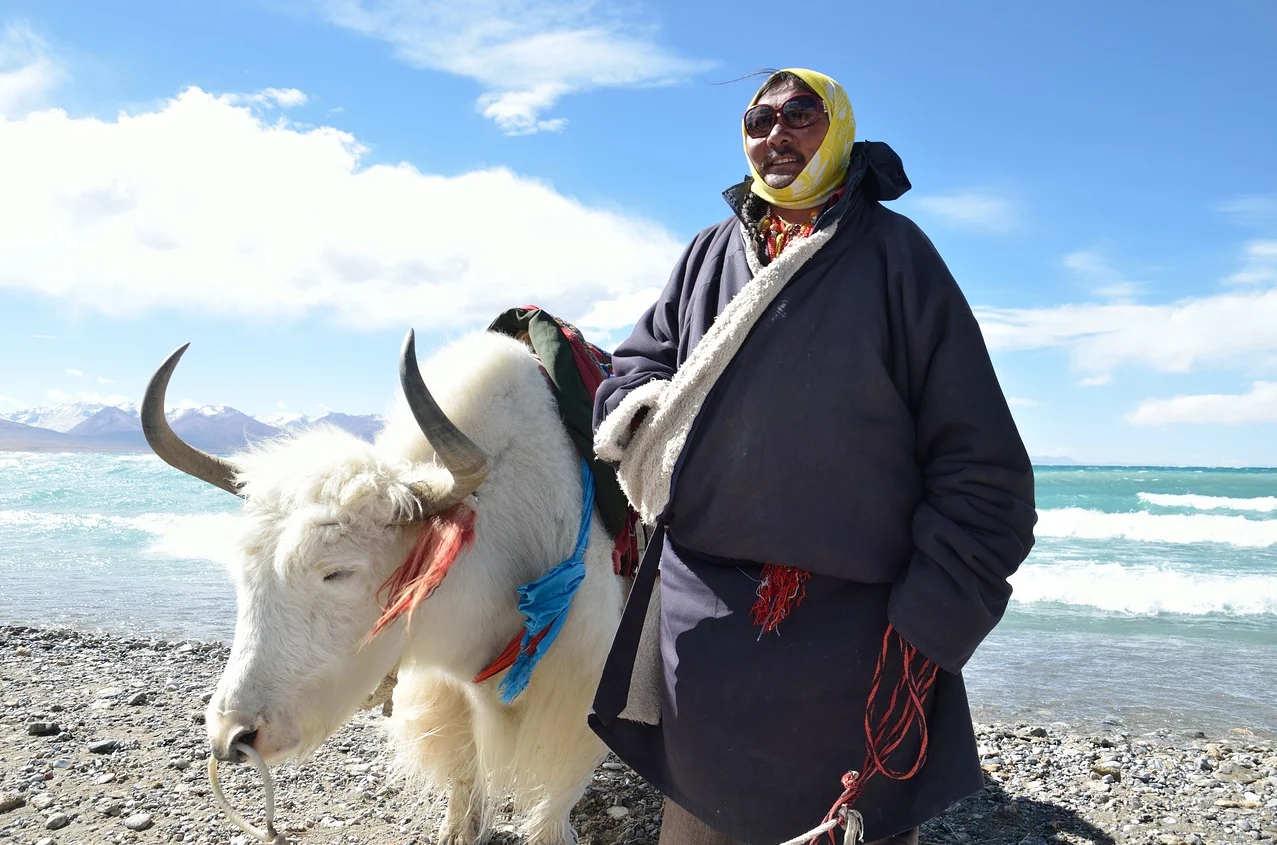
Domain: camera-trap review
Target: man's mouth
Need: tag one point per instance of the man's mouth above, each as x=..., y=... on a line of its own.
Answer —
x=782, y=161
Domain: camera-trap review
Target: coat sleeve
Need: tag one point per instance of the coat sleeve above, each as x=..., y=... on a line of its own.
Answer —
x=973, y=526
x=650, y=353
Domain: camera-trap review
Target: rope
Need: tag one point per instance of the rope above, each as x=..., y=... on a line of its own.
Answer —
x=268, y=834
x=883, y=735
x=845, y=816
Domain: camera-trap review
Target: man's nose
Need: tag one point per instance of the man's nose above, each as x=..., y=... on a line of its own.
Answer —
x=780, y=135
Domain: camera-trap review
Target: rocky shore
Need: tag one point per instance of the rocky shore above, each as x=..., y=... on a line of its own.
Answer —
x=101, y=741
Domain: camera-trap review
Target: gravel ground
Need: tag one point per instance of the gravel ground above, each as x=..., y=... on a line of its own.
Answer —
x=101, y=740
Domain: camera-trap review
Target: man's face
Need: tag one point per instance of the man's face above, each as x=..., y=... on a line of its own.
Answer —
x=784, y=152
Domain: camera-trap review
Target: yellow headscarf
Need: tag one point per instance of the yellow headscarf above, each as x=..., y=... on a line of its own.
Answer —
x=827, y=169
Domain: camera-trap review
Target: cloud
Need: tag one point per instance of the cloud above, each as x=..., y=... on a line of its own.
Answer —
x=28, y=72
x=203, y=206
x=1260, y=265
x=73, y=373
x=10, y=402
x=972, y=210
x=105, y=380
x=1257, y=406
x=1020, y=402
x=1231, y=329
x=1254, y=209
x=283, y=98
x=527, y=56
x=1105, y=280
x=63, y=397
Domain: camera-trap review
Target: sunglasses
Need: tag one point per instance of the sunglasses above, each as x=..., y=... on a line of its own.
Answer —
x=798, y=112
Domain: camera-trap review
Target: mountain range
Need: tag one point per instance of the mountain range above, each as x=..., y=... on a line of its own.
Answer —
x=219, y=429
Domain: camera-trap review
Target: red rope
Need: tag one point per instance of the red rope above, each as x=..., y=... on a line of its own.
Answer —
x=885, y=732
x=442, y=539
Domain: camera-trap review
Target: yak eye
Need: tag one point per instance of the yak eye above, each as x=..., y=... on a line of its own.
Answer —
x=338, y=575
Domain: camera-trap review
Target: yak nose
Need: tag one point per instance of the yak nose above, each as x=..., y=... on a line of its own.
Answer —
x=229, y=730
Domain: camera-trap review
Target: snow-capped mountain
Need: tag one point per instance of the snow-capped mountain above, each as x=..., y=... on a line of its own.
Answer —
x=91, y=426
x=67, y=416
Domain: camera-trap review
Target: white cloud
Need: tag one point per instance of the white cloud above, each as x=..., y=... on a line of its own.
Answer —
x=203, y=206
x=1105, y=280
x=283, y=98
x=105, y=380
x=62, y=397
x=1021, y=402
x=10, y=402
x=972, y=210
x=1251, y=209
x=526, y=55
x=28, y=72
x=74, y=373
x=1260, y=266
x=1232, y=329
x=1257, y=406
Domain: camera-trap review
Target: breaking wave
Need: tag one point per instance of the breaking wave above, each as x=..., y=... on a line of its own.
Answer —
x=1259, y=504
x=1143, y=526
x=1145, y=589
x=181, y=536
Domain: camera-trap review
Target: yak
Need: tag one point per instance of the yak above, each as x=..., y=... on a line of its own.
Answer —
x=406, y=554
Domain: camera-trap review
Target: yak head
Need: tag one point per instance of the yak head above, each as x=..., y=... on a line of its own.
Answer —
x=343, y=539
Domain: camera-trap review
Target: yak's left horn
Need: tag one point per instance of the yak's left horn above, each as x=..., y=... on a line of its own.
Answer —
x=465, y=460
x=175, y=452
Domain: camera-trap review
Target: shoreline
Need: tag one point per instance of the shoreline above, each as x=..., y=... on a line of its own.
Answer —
x=101, y=740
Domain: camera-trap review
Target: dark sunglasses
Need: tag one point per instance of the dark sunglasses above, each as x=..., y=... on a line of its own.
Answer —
x=798, y=112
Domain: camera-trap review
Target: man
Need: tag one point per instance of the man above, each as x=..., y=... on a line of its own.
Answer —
x=809, y=417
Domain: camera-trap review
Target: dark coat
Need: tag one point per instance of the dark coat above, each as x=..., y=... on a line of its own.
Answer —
x=860, y=433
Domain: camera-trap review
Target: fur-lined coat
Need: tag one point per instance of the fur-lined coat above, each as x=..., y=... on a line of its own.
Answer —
x=836, y=411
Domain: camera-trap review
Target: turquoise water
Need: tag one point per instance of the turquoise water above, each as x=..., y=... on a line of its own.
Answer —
x=1150, y=599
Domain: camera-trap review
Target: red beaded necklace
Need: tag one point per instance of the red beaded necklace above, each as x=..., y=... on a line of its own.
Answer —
x=777, y=233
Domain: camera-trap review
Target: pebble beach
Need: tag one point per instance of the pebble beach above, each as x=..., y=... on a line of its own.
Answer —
x=102, y=741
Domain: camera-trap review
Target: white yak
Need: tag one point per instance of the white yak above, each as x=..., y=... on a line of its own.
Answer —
x=330, y=518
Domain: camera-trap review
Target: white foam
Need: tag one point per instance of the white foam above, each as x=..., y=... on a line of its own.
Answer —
x=185, y=536
x=1156, y=528
x=200, y=537
x=1259, y=504
x=1145, y=589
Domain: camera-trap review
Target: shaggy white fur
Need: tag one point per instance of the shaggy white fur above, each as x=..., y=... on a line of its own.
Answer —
x=646, y=457
x=328, y=520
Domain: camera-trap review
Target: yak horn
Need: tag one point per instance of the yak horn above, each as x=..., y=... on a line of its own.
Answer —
x=465, y=460
x=216, y=471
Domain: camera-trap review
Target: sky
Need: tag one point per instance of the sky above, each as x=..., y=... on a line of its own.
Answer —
x=290, y=185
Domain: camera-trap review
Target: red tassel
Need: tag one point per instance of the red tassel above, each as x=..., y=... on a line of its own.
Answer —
x=443, y=537
x=781, y=590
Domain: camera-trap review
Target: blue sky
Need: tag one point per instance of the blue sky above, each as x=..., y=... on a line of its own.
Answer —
x=290, y=185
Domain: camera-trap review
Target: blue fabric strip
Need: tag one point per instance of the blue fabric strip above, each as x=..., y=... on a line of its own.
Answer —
x=546, y=600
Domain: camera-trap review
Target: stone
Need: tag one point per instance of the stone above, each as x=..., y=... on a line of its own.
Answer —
x=43, y=729
x=138, y=821
x=618, y=812
x=57, y=821
x=10, y=801
x=111, y=807
x=137, y=698
x=104, y=746
x=1107, y=767
x=43, y=801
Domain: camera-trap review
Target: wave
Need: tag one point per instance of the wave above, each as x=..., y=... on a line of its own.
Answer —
x=1259, y=504
x=1148, y=527
x=1145, y=589
x=184, y=536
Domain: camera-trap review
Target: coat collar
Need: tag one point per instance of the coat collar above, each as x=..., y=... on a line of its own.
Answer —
x=875, y=173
